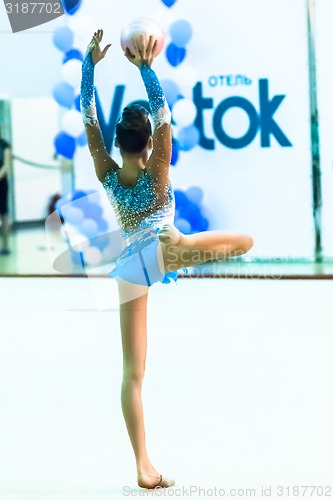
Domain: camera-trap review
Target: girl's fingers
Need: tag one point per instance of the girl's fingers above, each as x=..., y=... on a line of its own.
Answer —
x=150, y=45
x=154, y=49
x=106, y=49
x=141, y=49
x=98, y=34
x=128, y=53
x=138, y=53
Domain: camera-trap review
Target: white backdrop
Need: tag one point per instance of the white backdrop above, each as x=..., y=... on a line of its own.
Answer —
x=262, y=191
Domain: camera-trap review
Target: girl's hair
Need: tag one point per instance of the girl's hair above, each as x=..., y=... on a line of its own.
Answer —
x=134, y=129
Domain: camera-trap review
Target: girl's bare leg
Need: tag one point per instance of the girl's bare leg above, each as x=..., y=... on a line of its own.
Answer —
x=181, y=250
x=178, y=251
x=133, y=323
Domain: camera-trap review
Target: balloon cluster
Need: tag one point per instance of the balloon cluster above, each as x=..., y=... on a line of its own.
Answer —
x=185, y=135
x=85, y=228
x=180, y=33
x=188, y=217
x=67, y=91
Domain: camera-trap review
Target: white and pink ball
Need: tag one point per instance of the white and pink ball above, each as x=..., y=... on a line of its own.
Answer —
x=142, y=26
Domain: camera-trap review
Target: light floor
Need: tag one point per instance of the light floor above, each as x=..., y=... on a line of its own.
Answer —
x=237, y=392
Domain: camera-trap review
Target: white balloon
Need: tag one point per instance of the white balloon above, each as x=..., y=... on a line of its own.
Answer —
x=77, y=89
x=69, y=230
x=71, y=72
x=93, y=256
x=175, y=131
x=80, y=242
x=186, y=78
x=184, y=112
x=72, y=123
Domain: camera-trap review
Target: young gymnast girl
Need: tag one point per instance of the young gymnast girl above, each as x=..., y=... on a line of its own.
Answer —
x=142, y=196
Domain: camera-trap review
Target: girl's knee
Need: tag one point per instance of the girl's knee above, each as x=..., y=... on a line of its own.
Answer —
x=247, y=243
x=133, y=373
x=240, y=246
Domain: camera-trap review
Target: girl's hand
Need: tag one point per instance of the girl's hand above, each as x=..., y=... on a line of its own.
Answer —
x=144, y=53
x=96, y=53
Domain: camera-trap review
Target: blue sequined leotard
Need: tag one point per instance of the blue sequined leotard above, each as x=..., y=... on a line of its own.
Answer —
x=143, y=209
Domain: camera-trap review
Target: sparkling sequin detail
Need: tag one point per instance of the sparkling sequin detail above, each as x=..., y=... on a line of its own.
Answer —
x=87, y=91
x=158, y=104
x=145, y=205
x=141, y=211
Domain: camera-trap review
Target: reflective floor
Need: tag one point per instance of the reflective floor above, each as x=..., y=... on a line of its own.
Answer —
x=237, y=392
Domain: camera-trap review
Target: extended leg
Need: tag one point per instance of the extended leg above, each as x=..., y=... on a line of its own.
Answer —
x=181, y=250
x=133, y=322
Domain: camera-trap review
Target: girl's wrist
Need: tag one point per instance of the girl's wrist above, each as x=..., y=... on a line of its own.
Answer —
x=89, y=58
x=144, y=64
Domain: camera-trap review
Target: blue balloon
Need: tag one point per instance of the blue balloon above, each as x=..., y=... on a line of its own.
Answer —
x=73, y=54
x=175, y=55
x=201, y=225
x=102, y=225
x=183, y=225
x=93, y=211
x=77, y=103
x=74, y=215
x=71, y=6
x=195, y=194
x=91, y=191
x=63, y=38
x=171, y=91
x=63, y=93
x=191, y=212
x=82, y=140
x=65, y=145
x=89, y=228
x=82, y=196
x=175, y=152
x=101, y=241
x=188, y=137
x=169, y=3
x=180, y=199
x=181, y=33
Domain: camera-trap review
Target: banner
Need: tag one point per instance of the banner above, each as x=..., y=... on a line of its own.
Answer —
x=245, y=68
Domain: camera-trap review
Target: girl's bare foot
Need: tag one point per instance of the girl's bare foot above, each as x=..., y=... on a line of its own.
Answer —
x=169, y=234
x=151, y=481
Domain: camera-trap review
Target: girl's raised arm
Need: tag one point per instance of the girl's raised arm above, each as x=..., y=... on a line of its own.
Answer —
x=102, y=160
